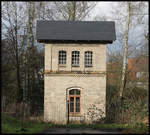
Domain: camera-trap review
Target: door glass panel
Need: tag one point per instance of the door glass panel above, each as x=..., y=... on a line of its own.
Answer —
x=71, y=104
x=74, y=104
x=77, y=104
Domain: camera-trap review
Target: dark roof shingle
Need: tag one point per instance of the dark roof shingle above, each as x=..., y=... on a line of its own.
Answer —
x=76, y=31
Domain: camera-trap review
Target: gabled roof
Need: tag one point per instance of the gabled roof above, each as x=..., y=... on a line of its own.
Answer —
x=76, y=31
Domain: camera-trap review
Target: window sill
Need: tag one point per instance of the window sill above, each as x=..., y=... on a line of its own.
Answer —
x=75, y=66
x=88, y=66
x=62, y=65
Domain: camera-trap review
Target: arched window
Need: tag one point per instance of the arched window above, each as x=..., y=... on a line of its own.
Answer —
x=88, y=59
x=62, y=57
x=75, y=58
x=74, y=101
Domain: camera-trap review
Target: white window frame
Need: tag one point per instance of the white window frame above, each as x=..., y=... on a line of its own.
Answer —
x=88, y=59
x=62, y=57
x=75, y=58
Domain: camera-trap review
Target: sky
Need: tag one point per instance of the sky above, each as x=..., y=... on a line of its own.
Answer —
x=102, y=8
x=136, y=35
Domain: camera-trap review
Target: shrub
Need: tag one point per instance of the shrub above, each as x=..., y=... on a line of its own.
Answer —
x=131, y=109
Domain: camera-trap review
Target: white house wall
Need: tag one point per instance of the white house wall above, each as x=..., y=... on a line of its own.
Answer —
x=93, y=86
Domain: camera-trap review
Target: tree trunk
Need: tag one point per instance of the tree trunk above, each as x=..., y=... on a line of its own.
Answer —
x=122, y=86
x=17, y=60
x=30, y=57
x=74, y=11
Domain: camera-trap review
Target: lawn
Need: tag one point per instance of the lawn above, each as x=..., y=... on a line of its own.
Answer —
x=12, y=125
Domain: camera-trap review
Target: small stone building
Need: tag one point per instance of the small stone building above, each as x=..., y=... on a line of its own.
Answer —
x=75, y=69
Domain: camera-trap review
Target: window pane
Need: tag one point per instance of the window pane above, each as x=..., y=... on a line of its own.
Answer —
x=77, y=104
x=71, y=92
x=71, y=104
x=88, y=59
x=62, y=57
x=75, y=58
x=77, y=92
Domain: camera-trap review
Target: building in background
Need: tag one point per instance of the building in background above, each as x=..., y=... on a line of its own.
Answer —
x=138, y=71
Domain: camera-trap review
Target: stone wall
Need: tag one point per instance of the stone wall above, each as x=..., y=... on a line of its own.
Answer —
x=92, y=86
x=51, y=57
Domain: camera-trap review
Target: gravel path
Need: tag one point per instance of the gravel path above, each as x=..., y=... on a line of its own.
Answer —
x=79, y=131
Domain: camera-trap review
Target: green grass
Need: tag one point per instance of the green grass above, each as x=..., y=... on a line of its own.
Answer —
x=139, y=128
x=12, y=125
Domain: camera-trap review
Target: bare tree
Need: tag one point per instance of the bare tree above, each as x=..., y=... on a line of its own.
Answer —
x=72, y=10
x=125, y=52
x=18, y=29
x=128, y=17
x=133, y=9
x=12, y=22
x=45, y=10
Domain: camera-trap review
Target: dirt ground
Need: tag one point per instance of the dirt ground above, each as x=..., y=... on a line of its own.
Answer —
x=79, y=131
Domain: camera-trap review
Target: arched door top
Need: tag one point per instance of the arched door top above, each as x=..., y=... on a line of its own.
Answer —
x=74, y=87
x=74, y=92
